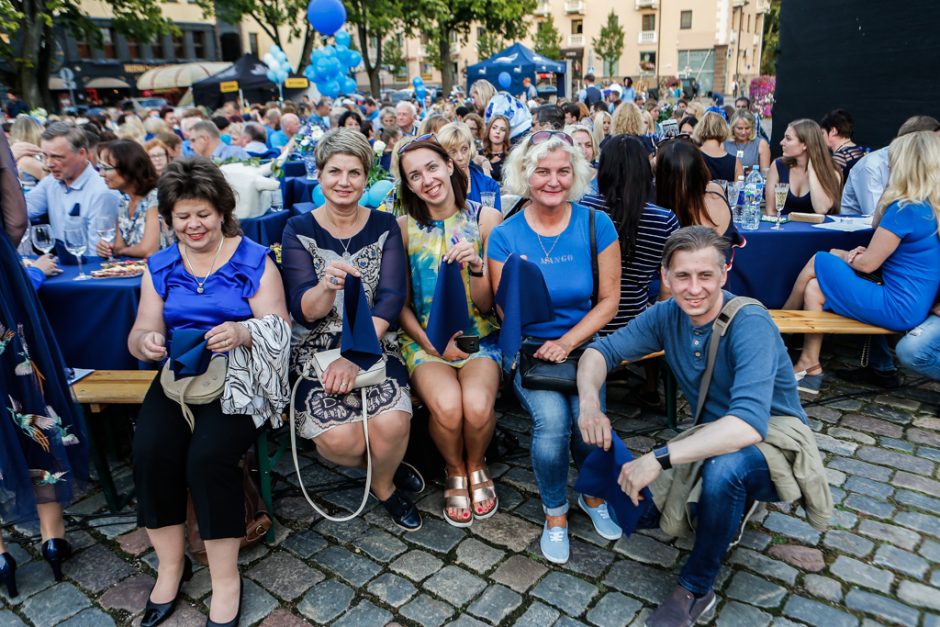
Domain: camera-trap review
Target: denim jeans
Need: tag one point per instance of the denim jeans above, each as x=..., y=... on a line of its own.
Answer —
x=919, y=350
x=728, y=482
x=879, y=355
x=554, y=432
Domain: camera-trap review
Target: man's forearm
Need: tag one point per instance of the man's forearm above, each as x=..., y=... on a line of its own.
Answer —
x=726, y=435
x=592, y=372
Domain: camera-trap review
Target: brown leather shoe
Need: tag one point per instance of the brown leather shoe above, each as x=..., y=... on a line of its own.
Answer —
x=681, y=609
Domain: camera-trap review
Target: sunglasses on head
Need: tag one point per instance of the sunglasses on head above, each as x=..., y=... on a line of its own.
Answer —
x=427, y=137
x=543, y=136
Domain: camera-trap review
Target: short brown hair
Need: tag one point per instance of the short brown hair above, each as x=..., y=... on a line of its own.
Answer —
x=133, y=164
x=693, y=238
x=197, y=178
x=413, y=205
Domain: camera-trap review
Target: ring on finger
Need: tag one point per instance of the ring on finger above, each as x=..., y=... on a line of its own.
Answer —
x=334, y=280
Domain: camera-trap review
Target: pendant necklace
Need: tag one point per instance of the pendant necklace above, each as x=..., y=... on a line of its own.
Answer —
x=200, y=284
x=345, y=246
x=548, y=253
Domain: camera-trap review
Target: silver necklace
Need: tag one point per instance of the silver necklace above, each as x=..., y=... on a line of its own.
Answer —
x=345, y=246
x=548, y=253
x=200, y=284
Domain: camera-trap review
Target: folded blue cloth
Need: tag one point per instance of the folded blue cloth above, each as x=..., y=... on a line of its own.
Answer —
x=65, y=257
x=359, y=343
x=75, y=211
x=449, y=306
x=188, y=354
x=524, y=299
x=598, y=478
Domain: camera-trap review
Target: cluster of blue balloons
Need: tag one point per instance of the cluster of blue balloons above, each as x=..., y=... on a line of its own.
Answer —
x=420, y=90
x=278, y=65
x=329, y=66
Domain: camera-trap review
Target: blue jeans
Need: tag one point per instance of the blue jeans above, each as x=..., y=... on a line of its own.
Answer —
x=879, y=356
x=919, y=350
x=728, y=483
x=554, y=432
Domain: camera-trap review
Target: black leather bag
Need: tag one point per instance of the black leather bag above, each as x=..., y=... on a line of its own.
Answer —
x=538, y=374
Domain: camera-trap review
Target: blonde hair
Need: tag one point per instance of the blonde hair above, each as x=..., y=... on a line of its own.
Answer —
x=432, y=124
x=525, y=158
x=454, y=135
x=399, y=146
x=599, y=118
x=810, y=134
x=627, y=120
x=695, y=109
x=576, y=128
x=132, y=129
x=649, y=126
x=26, y=129
x=344, y=141
x=154, y=125
x=712, y=126
x=915, y=173
x=748, y=117
x=486, y=90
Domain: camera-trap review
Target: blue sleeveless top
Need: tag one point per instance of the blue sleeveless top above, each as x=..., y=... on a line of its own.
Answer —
x=227, y=289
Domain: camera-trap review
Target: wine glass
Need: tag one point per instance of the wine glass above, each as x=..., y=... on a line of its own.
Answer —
x=781, y=191
x=42, y=238
x=106, y=228
x=77, y=243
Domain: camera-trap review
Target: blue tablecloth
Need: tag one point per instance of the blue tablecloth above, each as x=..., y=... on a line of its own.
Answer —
x=767, y=267
x=294, y=168
x=265, y=229
x=295, y=189
x=92, y=319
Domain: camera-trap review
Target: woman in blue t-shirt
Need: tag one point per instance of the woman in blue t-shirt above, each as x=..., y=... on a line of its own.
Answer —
x=554, y=233
x=212, y=279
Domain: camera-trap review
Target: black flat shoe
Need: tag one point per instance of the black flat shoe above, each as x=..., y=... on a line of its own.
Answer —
x=8, y=573
x=238, y=613
x=156, y=613
x=56, y=551
x=402, y=510
x=408, y=478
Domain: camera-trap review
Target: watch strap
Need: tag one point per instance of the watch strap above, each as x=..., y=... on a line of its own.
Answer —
x=662, y=456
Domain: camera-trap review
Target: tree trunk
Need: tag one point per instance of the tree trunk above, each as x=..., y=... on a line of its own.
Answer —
x=447, y=66
x=29, y=74
x=372, y=69
x=309, y=39
x=44, y=68
x=375, y=82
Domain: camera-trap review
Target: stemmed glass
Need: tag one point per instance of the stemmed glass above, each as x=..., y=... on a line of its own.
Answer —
x=781, y=191
x=42, y=238
x=106, y=228
x=77, y=243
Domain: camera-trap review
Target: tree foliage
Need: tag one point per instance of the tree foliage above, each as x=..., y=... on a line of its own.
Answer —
x=768, y=59
x=609, y=45
x=489, y=43
x=547, y=40
x=393, y=57
x=28, y=41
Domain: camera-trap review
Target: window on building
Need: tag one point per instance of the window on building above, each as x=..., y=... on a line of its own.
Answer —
x=480, y=32
x=748, y=29
x=179, y=49
x=199, y=44
x=83, y=47
x=685, y=19
x=133, y=48
x=577, y=27
x=649, y=21
x=107, y=42
x=648, y=61
x=253, y=43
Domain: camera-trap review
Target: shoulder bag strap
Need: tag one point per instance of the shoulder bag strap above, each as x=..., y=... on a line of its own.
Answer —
x=593, y=235
x=719, y=328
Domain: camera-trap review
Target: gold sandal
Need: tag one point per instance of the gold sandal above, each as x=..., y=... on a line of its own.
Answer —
x=479, y=477
x=457, y=483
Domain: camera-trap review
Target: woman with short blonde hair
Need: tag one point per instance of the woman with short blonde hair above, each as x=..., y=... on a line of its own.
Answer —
x=744, y=139
x=481, y=92
x=602, y=126
x=457, y=140
x=710, y=135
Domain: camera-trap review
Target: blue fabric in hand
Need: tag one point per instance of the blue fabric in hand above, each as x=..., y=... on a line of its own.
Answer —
x=598, y=478
x=359, y=343
x=65, y=257
x=524, y=299
x=449, y=307
x=188, y=354
x=75, y=211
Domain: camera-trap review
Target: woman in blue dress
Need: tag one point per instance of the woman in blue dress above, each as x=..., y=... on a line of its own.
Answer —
x=42, y=438
x=892, y=282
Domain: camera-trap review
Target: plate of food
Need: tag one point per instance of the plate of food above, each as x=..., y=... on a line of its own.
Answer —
x=120, y=269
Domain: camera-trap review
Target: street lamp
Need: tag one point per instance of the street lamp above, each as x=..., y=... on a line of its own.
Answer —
x=739, y=5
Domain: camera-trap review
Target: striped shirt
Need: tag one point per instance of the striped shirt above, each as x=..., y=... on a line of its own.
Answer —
x=656, y=224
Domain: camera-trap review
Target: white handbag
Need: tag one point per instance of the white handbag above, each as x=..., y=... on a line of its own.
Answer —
x=366, y=378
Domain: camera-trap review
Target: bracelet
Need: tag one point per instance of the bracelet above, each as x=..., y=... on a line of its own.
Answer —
x=472, y=273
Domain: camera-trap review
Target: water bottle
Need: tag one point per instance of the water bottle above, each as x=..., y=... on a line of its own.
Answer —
x=751, y=219
x=277, y=200
x=756, y=182
x=736, y=198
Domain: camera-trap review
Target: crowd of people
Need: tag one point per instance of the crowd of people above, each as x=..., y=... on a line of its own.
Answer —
x=623, y=217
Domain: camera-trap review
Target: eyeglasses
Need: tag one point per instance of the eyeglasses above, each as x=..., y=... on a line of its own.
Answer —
x=544, y=136
x=104, y=168
x=427, y=137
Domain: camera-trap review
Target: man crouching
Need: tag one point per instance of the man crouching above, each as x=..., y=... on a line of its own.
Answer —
x=750, y=443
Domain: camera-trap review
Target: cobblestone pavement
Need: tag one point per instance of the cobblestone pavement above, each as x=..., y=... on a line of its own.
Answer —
x=879, y=563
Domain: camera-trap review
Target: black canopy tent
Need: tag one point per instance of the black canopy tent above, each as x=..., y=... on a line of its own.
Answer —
x=248, y=75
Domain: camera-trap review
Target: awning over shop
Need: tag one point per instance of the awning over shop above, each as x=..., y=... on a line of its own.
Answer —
x=106, y=83
x=56, y=83
x=178, y=76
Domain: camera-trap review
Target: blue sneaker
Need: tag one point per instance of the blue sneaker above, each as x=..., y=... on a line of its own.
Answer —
x=810, y=383
x=603, y=525
x=555, y=545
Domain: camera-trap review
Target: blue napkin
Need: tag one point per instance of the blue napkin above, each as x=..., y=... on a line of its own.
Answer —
x=449, y=306
x=65, y=257
x=294, y=168
x=359, y=343
x=188, y=354
x=524, y=299
x=75, y=211
x=598, y=477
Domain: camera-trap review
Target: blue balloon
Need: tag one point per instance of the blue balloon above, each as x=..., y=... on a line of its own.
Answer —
x=354, y=59
x=330, y=88
x=421, y=93
x=343, y=38
x=311, y=73
x=342, y=53
x=326, y=16
x=349, y=86
x=328, y=51
x=505, y=80
x=316, y=54
x=378, y=192
x=417, y=81
x=271, y=76
x=317, y=197
x=328, y=68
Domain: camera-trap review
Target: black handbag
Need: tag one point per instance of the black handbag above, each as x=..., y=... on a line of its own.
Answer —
x=538, y=374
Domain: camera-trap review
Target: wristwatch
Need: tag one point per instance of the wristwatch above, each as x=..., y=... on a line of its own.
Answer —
x=662, y=456
x=472, y=273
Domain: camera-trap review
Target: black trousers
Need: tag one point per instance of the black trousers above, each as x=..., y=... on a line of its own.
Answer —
x=168, y=459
